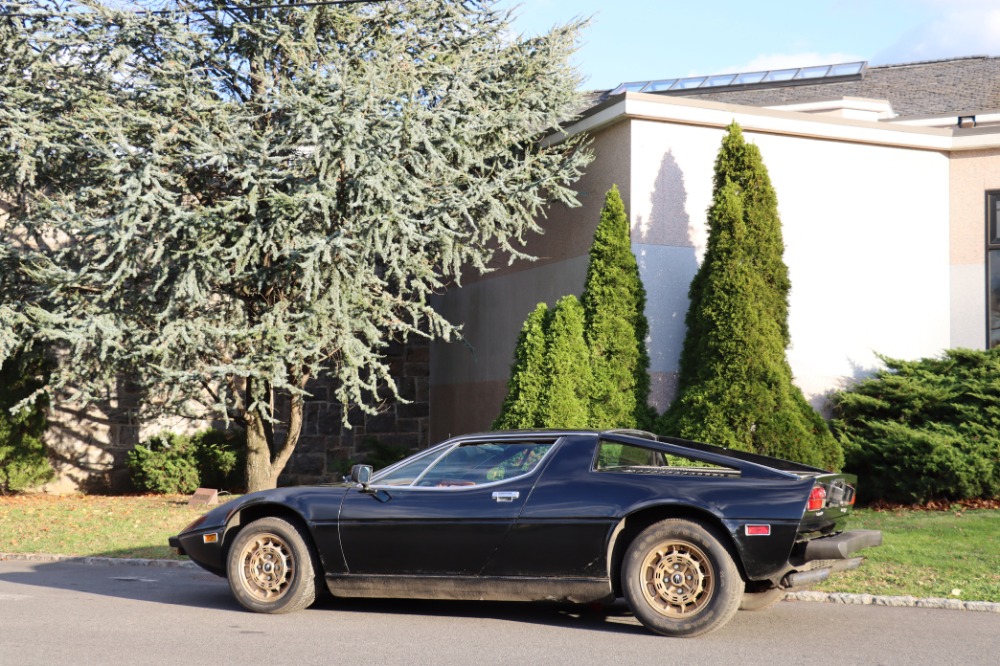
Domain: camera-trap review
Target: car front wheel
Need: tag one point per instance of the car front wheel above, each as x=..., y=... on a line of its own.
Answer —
x=679, y=580
x=270, y=567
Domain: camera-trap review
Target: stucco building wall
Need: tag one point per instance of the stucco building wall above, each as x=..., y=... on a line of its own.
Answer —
x=972, y=174
x=866, y=236
x=883, y=228
x=469, y=380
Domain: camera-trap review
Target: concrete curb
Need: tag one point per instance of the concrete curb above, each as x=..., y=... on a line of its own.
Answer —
x=894, y=602
x=820, y=597
x=104, y=561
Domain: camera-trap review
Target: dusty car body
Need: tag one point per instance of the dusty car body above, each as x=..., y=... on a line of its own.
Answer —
x=686, y=532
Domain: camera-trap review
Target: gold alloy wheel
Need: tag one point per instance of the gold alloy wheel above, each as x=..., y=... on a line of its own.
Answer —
x=266, y=567
x=677, y=579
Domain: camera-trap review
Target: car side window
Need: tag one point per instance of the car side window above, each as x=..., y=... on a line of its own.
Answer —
x=629, y=458
x=477, y=463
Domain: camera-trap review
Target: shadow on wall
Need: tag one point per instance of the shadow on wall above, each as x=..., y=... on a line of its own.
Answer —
x=669, y=223
x=667, y=263
x=87, y=445
x=821, y=401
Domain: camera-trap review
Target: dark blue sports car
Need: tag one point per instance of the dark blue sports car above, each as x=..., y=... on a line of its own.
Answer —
x=686, y=532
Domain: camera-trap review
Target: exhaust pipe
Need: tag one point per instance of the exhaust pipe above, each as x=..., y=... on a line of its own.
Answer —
x=806, y=578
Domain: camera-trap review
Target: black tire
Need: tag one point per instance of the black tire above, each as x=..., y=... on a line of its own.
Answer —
x=270, y=567
x=680, y=580
x=757, y=601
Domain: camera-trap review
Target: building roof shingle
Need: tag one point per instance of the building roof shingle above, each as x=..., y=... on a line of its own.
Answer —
x=957, y=86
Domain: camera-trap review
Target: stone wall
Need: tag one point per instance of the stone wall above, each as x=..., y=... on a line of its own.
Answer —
x=88, y=446
x=327, y=446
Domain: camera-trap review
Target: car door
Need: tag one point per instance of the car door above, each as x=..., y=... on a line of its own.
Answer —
x=449, y=515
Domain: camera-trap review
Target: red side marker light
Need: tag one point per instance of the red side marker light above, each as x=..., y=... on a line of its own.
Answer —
x=758, y=530
x=816, y=498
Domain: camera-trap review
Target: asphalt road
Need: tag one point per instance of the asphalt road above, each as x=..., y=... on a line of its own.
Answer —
x=71, y=613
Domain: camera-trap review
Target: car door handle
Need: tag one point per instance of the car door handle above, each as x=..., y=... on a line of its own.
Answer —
x=506, y=496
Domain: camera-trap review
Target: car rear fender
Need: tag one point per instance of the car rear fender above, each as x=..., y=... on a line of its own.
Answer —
x=629, y=527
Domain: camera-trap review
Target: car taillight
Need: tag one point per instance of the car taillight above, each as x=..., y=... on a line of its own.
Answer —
x=816, y=498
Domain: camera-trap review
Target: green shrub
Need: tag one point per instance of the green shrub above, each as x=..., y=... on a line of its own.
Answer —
x=925, y=430
x=614, y=303
x=166, y=463
x=584, y=363
x=221, y=458
x=567, y=368
x=24, y=461
x=527, y=385
x=180, y=464
x=735, y=385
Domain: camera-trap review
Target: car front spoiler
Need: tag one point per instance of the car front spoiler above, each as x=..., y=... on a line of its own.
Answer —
x=175, y=543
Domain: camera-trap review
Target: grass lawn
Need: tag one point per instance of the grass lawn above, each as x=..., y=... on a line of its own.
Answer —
x=945, y=554
x=924, y=554
x=97, y=525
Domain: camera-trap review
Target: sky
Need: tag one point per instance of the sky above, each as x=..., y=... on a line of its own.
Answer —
x=635, y=40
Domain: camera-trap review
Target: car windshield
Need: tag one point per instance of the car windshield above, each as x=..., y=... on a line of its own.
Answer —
x=407, y=472
x=468, y=464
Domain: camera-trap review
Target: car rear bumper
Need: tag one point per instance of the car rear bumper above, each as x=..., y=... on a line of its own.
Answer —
x=815, y=560
x=840, y=546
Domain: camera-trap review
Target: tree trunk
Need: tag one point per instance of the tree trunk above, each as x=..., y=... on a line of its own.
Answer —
x=263, y=467
x=259, y=474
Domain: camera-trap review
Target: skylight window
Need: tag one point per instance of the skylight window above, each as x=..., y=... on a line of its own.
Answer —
x=686, y=84
x=629, y=87
x=657, y=86
x=847, y=69
x=813, y=72
x=748, y=78
x=780, y=75
x=720, y=80
x=786, y=76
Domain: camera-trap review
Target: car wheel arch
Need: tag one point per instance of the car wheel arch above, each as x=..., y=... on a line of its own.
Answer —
x=629, y=527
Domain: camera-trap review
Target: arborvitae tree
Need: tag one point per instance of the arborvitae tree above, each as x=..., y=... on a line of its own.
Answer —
x=24, y=462
x=527, y=387
x=735, y=385
x=567, y=368
x=614, y=303
x=225, y=202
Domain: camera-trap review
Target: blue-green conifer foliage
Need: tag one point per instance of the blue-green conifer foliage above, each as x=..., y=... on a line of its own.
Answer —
x=229, y=201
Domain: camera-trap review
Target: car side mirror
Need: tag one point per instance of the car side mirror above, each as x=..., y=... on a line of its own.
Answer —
x=361, y=474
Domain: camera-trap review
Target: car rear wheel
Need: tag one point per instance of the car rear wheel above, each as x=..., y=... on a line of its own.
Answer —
x=755, y=601
x=270, y=567
x=680, y=580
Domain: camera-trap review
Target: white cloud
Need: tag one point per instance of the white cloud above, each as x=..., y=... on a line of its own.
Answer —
x=957, y=28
